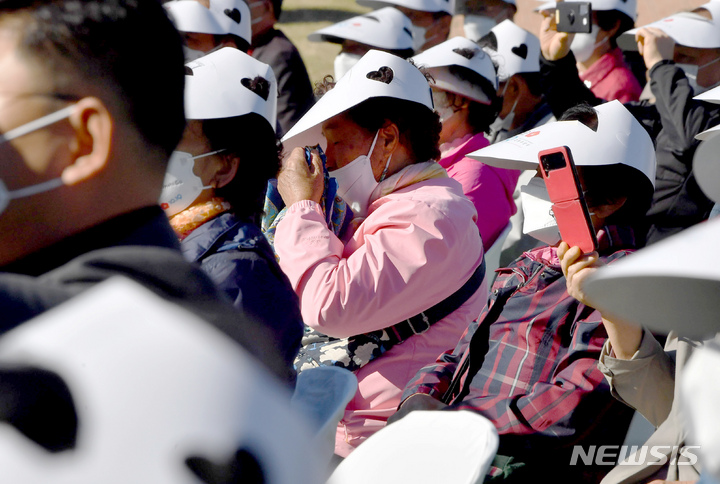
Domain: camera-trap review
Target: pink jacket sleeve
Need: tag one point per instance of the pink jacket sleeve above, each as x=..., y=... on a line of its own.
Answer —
x=404, y=258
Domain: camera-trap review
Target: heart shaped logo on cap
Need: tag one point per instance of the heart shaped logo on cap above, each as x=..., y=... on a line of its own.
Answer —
x=520, y=51
x=259, y=86
x=233, y=14
x=384, y=74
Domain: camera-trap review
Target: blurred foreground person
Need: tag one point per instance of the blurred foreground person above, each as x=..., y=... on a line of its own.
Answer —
x=215, y=187
x=412, y=271
x=92, y=107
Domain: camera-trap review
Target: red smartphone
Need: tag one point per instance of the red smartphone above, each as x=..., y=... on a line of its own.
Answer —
x=569, y=208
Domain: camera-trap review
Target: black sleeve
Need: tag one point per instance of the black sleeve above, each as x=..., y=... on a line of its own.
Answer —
x=562, y=86
x=682, y=118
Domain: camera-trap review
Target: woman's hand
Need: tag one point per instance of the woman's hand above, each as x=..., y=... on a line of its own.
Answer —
x=553, y=44
x=298, y=181
x=576, y=267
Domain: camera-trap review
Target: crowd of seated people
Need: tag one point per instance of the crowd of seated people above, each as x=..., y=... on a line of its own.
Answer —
x=180, y=144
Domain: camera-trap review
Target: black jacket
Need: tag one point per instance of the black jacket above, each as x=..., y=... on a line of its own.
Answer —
x=141, y=246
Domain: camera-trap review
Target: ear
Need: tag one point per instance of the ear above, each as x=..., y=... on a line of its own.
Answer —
x=227, y=172
x=93, y=127
x=390, y=136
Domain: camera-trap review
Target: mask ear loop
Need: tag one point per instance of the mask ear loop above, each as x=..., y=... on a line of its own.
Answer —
x=205, y=187
x=387, y=164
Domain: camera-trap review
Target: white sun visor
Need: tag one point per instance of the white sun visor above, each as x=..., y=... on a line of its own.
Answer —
x=706, y=167
x=190, y=16
x=518, y=50
x=404, y=81
x=685, y=28
x=421, y=5
x=220, y=85
x=387, y=28
x=461, y=52
x=670, y=285
x=628, y=7
x=234, y=16
x=618, y=139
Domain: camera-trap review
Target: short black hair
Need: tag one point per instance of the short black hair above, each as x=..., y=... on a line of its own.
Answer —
x=277, y=8
x=128, y=48
x=608, y=183
x=259, y=152
x=239, y=42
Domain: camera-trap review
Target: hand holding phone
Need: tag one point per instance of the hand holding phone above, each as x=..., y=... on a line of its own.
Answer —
x=573, y=17
x=569, y=208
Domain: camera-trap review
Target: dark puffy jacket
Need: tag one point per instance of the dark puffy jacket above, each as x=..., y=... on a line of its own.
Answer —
x=238, y=258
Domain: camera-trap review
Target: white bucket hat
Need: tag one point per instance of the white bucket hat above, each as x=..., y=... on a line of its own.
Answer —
x=628, y=7
x=619, y=139
x=671, y=285
x=455, y=52
x=518, y=50
x=222, y=18
x=421, y=5
x=386, y=28
x=406, y=83
x=218, y=86
x=685, y=28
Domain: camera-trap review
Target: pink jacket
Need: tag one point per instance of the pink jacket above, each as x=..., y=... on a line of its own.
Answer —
x=609, y=78
x=490, y=189
x=417, y=246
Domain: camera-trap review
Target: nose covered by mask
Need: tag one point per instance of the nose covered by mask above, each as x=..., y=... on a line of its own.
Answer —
x=442, y=105
x=43, y=122
x=344, y=61
x=181, y=186
x=538, y=218
x=356, y=181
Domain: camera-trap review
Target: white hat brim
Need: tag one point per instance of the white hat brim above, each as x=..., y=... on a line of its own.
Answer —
x=685, y=28
x=619, y=139
x=671, y=285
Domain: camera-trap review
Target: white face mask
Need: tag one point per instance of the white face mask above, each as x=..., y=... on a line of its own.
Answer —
x=181, y=186
x=583, y=45
x=538, y=219
x=356, y=181
x=27, y=128
x=478, y=26
x=192, y=54
x=418, y=34
x=344, y=62
x=691, y=72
